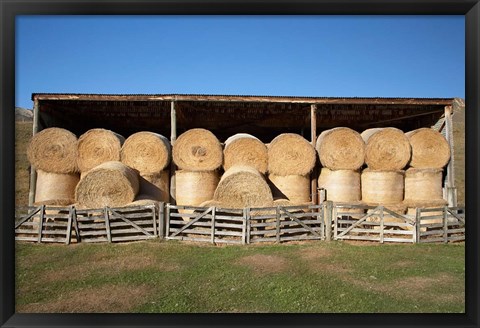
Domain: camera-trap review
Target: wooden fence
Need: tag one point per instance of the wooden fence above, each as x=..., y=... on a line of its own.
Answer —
x=361, y=222
x=244, y=226
x=68, y=224
x=327, y=221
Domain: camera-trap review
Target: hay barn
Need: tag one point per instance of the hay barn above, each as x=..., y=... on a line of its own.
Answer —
x=264, y=117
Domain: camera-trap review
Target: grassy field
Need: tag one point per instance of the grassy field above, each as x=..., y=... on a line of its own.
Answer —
x=170, y=277
x=314, y=277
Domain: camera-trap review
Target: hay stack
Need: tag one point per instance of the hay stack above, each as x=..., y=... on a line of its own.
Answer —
x=108, y=184
x=243, y=186
x=290, y=154
x=386, y=149
x=295, y=188
x=53, y=150
x=429, y=149
x=147, y=152
x=382, y=187
x=197, y=150
x=341, y=149
x=245, y=149
x=55, y=188
x=340, y=185
x=155, y=186
x=195, y=187
x=423, y=184
x=97, y=146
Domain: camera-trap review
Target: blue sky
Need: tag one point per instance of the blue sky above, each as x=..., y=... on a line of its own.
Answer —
x=327, y=56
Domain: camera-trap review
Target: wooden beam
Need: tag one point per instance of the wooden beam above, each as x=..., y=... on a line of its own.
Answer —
x=313, y=134
x=33, y=172
x=173, y=138
x=450, y=179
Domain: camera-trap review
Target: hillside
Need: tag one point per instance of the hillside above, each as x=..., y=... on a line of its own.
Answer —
x=23, y=115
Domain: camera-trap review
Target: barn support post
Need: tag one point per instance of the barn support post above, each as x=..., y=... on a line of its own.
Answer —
x=33, y=172
x=313, y=174
x=450, y=189
x=173, y=137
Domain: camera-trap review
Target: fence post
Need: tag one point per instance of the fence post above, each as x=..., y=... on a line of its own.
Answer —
x=445, y=225
x=69, y=226
x=328, y=220
x=107, y=225
x=40, y=223
x=161, y=218
x=417, y=224
x=213, y=225
x=277, y=215
x=244, y=226
x=249, y=226
x=167, y=220
x=382, y=224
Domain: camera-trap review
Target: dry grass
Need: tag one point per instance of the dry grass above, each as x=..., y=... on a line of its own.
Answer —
x=106, y=299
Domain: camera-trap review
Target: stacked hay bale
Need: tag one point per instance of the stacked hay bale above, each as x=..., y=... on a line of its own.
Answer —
x=150, y=154
x=97, y=146
x=245, y=149
x=291, y=158
x=242, y=186
x=387, y=152
x=108, y=184
x=341, y=152
x=423, y=180
x=198, y=155
x=53, y=153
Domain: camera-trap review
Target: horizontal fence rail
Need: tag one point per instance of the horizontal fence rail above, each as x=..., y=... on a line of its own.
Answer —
x=327, y=221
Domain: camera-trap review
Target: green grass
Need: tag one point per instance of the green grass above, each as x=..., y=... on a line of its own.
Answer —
x=168, y=277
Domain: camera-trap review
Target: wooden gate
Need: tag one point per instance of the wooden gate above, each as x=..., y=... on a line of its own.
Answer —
x=443, y=224
x=50, y=224
x=244, y=226
x=361, y=222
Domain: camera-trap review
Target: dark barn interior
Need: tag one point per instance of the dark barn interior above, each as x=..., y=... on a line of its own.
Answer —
x=262, y=116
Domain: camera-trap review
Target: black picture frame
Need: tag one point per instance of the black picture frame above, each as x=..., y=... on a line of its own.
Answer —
x=10, y=9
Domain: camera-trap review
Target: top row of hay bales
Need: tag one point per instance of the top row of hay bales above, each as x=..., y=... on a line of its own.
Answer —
x=58, y=151
x=287, y=154
x=382, y=149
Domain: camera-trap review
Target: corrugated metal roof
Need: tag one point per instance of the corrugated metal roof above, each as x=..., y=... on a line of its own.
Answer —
x=265, y=98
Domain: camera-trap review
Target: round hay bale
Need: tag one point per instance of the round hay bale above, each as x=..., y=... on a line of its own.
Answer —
x=197, y=150
x=423, y=184
x=55, y=188
x=195, y=187
x=210, y=203
x=109, y=184
x=243, y=186
x=382, y=187
x=290, y=154
x=430, y=149
x=156, y=186
x=340, y=185
x=146, y=152
x=386, y=149
x=53, y=150
x=142, y=200
x=295, y=188
x=245, y=149
x=341, y=149
x=97, y=146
